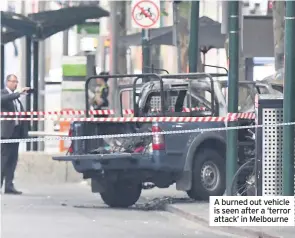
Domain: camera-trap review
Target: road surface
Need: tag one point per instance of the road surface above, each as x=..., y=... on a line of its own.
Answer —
x=70, y=210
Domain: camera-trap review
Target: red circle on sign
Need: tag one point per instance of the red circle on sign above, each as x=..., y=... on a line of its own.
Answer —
x=153, y=21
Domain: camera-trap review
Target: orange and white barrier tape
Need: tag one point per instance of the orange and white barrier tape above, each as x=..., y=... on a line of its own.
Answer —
x=246, y=115
x=230, y=117
x=129, y=119
x=59, y=113
x=83, y=112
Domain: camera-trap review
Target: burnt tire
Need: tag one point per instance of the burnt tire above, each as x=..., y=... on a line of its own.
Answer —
x=121, y=194
x=208, y=177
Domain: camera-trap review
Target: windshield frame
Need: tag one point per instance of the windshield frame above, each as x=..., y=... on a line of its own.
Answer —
x=243, y=102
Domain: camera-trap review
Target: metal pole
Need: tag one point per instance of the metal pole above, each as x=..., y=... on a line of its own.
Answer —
x=156, y=49
x=289, y=98
x=22, y=50
x=224, y=23
x=2, y=65
x=65, y=34
x=42, y=73
x=28, y=68
x=219, y=5
x=41, y=87
x=145, y=34
x=35, y=86
x=241, y=51
x=249, y=69
x=175, y=34
x=66, y=42
x=233, y=79
x=194, y=39
x=114, y=55
x=104, y=51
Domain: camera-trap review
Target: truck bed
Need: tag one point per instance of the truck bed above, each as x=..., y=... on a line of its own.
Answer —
x=82, y=147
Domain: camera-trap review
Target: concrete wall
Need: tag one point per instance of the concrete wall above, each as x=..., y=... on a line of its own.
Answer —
x=39, y=167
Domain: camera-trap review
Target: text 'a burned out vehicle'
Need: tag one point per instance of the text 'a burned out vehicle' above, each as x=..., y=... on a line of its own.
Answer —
x=194, y=161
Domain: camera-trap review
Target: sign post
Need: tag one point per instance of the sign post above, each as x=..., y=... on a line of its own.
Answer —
x=289, y=111
x=145, y=15
x=233, y=91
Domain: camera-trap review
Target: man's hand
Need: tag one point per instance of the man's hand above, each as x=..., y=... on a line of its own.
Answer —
x=24, y=91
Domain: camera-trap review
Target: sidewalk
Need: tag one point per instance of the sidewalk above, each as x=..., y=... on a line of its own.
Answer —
x=199, y=212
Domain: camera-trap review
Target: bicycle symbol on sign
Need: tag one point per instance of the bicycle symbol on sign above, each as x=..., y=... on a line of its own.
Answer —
x=145, y=13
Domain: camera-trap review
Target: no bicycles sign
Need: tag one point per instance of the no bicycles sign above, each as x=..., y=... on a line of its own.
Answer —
x=145, y=14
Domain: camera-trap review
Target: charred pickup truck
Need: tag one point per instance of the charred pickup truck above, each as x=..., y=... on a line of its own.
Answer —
x=118, y=167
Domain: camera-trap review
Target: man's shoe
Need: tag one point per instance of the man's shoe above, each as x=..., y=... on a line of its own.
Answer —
x=12, y=191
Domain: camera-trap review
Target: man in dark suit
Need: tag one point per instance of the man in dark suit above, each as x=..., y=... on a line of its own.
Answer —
x=11, y=129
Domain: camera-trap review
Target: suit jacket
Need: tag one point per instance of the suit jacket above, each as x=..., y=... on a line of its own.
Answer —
x=7, y=105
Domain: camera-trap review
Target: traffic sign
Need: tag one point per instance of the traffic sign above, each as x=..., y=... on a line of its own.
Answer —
x=145, y=14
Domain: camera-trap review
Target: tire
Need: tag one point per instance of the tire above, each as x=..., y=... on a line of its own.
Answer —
x=249, y=179
x=205, y=185
x=139, y=16
x=121, y=194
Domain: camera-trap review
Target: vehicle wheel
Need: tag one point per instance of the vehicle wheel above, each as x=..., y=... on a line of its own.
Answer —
x=139, y=16
x=244, y=181
x=121, y=194
x=208, y=175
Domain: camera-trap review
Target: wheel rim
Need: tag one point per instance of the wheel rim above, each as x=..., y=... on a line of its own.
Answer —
x=210, y=175
x=248, y=188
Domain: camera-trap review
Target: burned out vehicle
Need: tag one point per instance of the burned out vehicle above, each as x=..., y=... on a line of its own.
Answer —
x=157, y=152
x=272, y=86
x=248, y=90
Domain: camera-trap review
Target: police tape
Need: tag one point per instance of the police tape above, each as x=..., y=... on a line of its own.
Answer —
x=175, y=132
x=65, y=113
x=128, y=119
x=229, y=117
x=83, y=112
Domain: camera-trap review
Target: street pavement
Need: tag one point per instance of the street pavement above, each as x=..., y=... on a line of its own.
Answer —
x=71, y=210
x=199, y=212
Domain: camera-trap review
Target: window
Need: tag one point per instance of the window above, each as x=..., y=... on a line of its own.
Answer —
x=153, y=102
x=177, y=100
x=198, y=100
x=278, y=88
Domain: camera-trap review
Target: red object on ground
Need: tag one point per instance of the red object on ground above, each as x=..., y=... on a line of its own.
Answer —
x=139, y=149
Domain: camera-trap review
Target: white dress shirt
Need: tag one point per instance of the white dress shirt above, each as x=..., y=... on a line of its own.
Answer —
x=16, y=106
